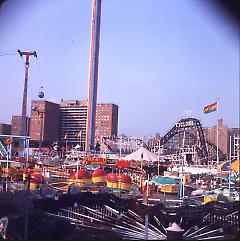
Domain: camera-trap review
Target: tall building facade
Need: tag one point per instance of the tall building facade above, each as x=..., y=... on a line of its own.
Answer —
x=106, y=121
x=44, y=120
x=223, y=136
x=73, y=122
x=5, y=129
x=16, y=125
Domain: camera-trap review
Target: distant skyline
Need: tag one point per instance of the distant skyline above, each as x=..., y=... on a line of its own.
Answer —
x=157, y=59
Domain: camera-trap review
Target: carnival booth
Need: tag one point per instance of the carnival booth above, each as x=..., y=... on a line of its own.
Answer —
x=99, y=176
x=82, y=178
x=166, y=184
x=36, y=181
x=125, y=183
x=112, y=180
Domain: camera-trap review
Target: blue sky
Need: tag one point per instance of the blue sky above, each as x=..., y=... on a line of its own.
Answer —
x=157, y=59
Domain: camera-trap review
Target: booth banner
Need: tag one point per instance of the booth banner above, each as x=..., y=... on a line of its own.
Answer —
x=95, y=161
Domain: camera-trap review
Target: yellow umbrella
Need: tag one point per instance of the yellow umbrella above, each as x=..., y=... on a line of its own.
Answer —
x=235, y=166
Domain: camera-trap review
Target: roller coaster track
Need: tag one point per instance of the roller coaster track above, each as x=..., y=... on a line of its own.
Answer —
x=193, y=129
x=3, y=151
x=181, y=126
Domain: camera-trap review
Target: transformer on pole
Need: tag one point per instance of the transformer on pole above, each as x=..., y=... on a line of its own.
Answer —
x=93, y=74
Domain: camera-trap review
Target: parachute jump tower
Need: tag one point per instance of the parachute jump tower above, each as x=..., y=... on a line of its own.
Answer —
x=93, y=74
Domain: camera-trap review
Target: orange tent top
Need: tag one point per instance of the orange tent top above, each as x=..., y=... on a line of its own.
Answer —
x=235, y=166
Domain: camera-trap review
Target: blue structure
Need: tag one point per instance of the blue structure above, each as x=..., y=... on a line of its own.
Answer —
x=93, y=74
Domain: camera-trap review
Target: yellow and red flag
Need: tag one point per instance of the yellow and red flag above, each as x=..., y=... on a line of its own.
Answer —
x=210, y=108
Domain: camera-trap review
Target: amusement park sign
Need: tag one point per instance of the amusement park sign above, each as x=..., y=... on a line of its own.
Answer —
x=185, y=124
x=95, y=161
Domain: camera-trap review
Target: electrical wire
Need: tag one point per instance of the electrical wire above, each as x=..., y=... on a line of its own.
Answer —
x=39, y=74
x=8, y=51
x=8, y=54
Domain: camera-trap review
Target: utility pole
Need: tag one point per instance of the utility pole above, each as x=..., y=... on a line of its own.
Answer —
x=24, y=101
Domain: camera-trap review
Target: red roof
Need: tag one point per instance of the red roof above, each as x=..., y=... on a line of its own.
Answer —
x=36, y=178
x=122, y=164
x=82, y=174
x=72, y=175
x=126, y=179
x=98, y=173
x=112, y=177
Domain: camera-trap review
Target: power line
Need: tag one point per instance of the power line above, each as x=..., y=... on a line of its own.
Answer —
x=8, y=54
x=39, y=73
x=8, y=51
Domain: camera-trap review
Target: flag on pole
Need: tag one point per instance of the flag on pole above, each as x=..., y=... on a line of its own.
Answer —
x=210, y=108
x=65, y=137
x=78, y=134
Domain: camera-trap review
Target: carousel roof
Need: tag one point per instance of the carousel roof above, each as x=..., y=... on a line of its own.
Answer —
x=126, y=179
x=112, y=177
x=82, y=174
x=98, y=173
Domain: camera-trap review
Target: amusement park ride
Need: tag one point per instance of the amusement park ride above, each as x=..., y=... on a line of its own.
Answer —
x=113, y=197
x=185, y=141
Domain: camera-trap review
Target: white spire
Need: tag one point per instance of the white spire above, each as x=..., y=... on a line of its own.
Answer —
x=174, y=228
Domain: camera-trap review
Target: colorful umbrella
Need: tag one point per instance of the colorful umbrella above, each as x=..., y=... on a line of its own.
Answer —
x=224, y=166
x=235, y=166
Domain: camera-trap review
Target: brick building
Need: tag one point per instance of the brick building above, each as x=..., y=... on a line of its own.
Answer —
x=106, y=121
x=16, y=125
x=5, y=129
x=44, y=118
x=223, y=136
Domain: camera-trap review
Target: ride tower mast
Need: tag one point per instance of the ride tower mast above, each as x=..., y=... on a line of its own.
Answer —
x=93, y=74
